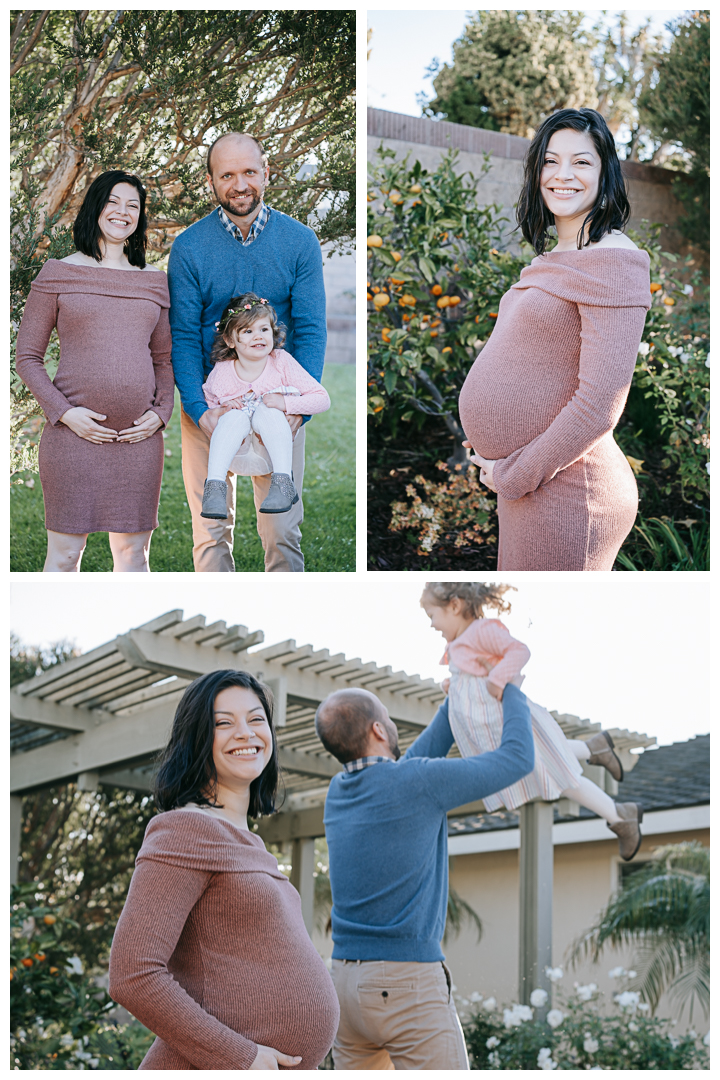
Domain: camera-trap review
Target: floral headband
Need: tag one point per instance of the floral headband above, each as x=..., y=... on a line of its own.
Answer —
x=237, y=311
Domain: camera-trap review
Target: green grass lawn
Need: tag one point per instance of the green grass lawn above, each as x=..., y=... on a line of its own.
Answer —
x=328, y=494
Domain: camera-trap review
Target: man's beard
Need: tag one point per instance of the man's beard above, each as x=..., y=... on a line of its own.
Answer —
x=230, y=209
x=394, y=747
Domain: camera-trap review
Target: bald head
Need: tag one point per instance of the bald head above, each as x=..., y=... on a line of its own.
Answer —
x=344, y=722
x=240, y=140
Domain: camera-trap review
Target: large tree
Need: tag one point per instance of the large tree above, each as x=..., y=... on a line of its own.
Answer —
x=676, y=109
x=511, y=69
x=148, y=91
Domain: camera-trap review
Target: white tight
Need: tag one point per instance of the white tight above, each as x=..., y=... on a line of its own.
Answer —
x=234, y=426
x=586, y=793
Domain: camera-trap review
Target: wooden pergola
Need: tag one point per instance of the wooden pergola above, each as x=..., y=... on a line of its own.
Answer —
x=101, y=718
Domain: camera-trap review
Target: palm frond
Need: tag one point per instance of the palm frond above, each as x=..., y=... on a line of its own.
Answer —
x=458, y=912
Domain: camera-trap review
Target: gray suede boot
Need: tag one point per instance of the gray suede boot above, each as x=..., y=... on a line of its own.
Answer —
x=628, y=829
x=281, y=496
x=603, y=753
x=214, y=504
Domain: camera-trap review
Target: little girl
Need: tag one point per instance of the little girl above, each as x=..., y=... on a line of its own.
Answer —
x=483, y=658
x=260, y=382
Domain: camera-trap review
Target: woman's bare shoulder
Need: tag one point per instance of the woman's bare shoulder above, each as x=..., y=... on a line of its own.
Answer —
x=78, y=259
x=157, y=269
x=616, y=240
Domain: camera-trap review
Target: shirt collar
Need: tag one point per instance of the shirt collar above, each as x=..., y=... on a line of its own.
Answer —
x=363, y=762
x=255, y=229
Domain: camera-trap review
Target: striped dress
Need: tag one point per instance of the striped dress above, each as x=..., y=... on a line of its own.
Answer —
x=487, y=653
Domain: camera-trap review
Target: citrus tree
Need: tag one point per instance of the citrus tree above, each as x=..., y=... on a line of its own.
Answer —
x=437, y=267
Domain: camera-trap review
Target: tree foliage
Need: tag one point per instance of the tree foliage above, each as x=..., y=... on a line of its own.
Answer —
x=664, y=911
x=149, y=90
x=511, y=69
x=676, y=109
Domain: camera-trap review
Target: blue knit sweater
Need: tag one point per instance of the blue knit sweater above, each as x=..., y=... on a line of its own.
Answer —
x=386, y=831
x=208, y=267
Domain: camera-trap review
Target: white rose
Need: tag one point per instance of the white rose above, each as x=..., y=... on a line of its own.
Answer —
x=586, y=992
x=629, y=999
x=489, y=1003
x=475, y=997
x=554, y=974
x=555, y=1018
x=492, y=1042
x=538, y=998
x=617, y=973
x=590, y=1045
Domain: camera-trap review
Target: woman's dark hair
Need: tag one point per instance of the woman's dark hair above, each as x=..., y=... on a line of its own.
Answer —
x=86, y=230
x=243, y=311
x=186, y=770
x=533, y=216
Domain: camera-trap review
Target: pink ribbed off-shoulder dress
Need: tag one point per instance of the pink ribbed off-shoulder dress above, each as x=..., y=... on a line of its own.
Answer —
x=544, y=396
x=114, y=359
x=211, y=952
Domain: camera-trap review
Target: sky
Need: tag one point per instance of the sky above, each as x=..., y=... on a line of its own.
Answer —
x=404, y=43
x=624, y=650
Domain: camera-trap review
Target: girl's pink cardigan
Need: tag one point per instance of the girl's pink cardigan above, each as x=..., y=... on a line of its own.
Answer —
x=224, y=384
x=487, y=648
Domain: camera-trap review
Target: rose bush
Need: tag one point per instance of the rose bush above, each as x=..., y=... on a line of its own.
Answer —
x=577, y=1035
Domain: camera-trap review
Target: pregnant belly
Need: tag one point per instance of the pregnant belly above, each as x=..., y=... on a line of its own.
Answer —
x=122, y=400
x=505, y=405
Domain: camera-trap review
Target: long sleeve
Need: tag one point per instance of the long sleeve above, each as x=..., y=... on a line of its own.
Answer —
x=451, y=782
x=609, y=341
x=487, y=644
x=313, y=397
x=145, y=939
x=436, y=740
x=186, y=309
x=161, y=351
x=307, y=299
x=38, y=322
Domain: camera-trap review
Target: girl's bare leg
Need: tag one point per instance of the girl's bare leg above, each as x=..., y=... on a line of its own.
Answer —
x=64, y=552
x=590, y=796
x=130, y=552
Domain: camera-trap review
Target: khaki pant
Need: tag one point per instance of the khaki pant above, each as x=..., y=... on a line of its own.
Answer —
x=213, y=540
x=396, y=1015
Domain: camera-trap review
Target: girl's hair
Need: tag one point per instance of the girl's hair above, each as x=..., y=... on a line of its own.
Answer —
x=243, y=311
x=533, y=216
x=186, y=770
x=475, y=595
x=86, y=230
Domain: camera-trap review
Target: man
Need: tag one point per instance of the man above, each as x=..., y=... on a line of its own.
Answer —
x=242, y=246
x=386, y=828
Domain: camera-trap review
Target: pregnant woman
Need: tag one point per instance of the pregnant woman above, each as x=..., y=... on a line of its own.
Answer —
x=101, y=451
x=541, y=401
x=211, y=952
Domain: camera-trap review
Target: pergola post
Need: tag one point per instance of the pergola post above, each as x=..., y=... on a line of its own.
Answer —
x=302, y=877
x=15, y=836
x=536, y=900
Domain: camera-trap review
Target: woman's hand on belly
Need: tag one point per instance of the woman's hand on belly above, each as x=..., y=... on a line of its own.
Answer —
x=267, y=1058
x=82, y=422
x=486, y=467
x=143, y=428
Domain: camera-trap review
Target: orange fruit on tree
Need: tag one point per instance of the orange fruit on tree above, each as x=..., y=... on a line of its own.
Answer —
x=40, y=956
x=386, y=334
x=447, y=349
x=408, y=300
x=453, y=301
x=669, y=301
x=381, y=299
x=433, y=333
x=396, y=255
x=492, y=314
x=435, y=322
x=416, y=189
x=53, y=971
x=374, y=241
x=443, y=301
x=369, y=296
x=27, y=962
x=436, y=290
x=49, y=920
x=655, y=286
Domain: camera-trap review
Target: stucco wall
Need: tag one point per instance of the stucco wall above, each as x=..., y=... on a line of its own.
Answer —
x=427, y=141
x=340, y=291
x=585, y=875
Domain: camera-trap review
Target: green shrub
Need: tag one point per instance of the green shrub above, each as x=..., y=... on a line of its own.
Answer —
x=58, y=1015
x=436, y=243
x=577, y=1035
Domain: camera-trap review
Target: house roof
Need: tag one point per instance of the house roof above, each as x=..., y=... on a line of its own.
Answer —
x=664, y=778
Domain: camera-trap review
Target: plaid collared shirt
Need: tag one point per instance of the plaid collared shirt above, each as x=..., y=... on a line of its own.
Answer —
x=255, y=229
x=363, y=762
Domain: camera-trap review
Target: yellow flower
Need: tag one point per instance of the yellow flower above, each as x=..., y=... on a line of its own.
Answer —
x=635, y=464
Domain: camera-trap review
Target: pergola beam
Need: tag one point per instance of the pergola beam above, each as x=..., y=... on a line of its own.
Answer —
x=33, y=710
